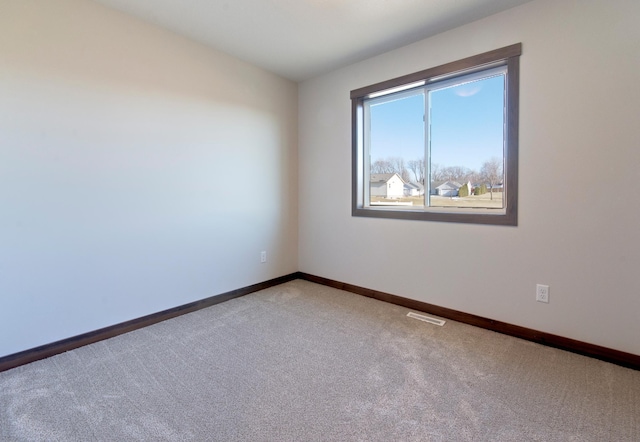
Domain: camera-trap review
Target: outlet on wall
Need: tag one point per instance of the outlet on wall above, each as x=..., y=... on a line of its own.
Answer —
x=542, y=293
x=263, y=257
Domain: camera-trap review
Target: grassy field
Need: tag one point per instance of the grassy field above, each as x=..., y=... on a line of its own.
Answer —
x=480, y=201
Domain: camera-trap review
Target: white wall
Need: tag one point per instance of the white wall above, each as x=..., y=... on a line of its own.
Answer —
x=138, y=171
x=579, y=132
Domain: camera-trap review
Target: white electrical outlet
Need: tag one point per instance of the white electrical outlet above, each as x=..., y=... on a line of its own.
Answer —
x=263, y=257
x=542, y=293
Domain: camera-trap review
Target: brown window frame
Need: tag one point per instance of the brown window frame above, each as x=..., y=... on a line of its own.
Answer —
x=508, y=56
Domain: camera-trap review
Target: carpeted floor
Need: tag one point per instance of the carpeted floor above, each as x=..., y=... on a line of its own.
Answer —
x=304, y=362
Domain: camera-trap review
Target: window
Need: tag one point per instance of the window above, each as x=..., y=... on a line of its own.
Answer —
x=440, y=144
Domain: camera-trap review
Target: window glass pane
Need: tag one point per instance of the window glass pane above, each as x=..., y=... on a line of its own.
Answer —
x=466, y=144
x=397, y=151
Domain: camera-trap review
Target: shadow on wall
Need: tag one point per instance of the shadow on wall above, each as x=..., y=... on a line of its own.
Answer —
x=139, y=171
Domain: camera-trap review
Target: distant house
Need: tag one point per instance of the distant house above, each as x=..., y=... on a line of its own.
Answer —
x=413, y=189
x=446, y=188
x=387, y=185
x=496, y=188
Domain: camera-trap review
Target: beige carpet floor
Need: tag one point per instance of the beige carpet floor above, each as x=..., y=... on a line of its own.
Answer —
x=304, y=362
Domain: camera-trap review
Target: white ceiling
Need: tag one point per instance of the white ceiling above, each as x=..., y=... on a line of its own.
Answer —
x=299, y=39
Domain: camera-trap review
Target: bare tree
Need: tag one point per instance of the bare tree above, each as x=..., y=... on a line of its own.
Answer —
x=382, y=166
x=455, y=173
x=400, y=168
x=418, y=169
x=437, y=172
x=491, y=172
x=472, y=177
x=391, y=165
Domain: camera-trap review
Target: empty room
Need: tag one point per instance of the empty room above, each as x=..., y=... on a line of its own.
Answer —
x=279, y=220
